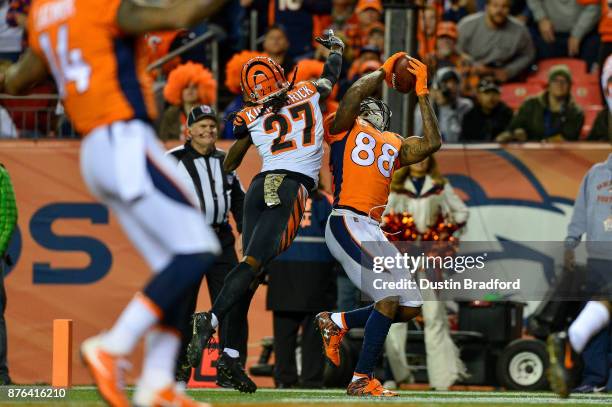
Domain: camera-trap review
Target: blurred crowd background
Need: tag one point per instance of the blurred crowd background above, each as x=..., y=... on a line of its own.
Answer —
x=501, y=70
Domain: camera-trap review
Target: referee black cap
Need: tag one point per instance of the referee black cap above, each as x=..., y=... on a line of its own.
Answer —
x=199, y=113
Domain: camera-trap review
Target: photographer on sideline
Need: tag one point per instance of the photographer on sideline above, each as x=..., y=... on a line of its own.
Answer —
x=448, y=105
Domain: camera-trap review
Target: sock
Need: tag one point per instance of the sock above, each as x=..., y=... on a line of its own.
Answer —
x=592, y=319
x=161, y=351
x=357, y=376
x=337, y=318
x=232, y=353
x=235, y=286
x=139, y=315
x=357, y=318
x=376, y=330
x=214, y=321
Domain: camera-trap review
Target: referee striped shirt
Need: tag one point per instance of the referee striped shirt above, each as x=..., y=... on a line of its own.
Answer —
x=218, y=192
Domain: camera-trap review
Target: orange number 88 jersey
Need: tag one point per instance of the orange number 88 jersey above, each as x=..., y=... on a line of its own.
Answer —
x=362, y=162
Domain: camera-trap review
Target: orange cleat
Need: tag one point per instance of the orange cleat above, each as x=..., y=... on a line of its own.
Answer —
x=368, y=387
x=171, y=396
x=107, y=370
x=332, y=336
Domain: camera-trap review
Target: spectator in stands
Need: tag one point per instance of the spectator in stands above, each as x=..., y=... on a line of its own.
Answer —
x=8, y=224
x=7, y=127
x=368, y=13
x=456, y=11
x=276, y=44
x=366, y=53
x=489, y=117
x=428, y=19
x=565, y=29
x=10, y=37
x=376, y=36
x=550, y=116
x=605, y=28
x=448, y=105
x=301, y=283
x=188, y=85
x=342, y=14
x=602, y=127
x=497, y=44
x=17, y=17
x=299, y=19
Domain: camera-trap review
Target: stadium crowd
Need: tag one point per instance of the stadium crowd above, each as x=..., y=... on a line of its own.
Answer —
x=502, y=70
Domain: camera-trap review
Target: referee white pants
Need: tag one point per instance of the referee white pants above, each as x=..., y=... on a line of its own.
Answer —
x=349, y=236
x=125, y=167
x=444, y=364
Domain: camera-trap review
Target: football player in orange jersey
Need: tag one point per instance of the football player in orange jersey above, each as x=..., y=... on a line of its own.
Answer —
x=363, y=157
x=94, y=49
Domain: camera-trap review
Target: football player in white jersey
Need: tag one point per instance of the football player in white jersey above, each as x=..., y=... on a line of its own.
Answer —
x=284, y=121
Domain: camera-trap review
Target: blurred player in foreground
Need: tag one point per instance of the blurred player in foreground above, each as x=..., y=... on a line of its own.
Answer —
x=364, y=155
x=285, y=123
x=94, y=50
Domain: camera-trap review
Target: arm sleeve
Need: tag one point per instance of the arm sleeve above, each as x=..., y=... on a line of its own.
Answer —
x=237, y=208
x=537, y=9
x=330, y=75
x=587, y=20
x=577, y=226
x=8, y=210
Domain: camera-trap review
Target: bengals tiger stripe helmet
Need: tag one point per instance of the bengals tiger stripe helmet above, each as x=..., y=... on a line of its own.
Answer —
x=262, y=78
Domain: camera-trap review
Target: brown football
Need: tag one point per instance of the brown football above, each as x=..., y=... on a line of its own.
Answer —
x=402, y=80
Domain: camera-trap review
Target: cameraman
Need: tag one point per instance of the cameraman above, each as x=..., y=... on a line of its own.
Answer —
x=448, y=105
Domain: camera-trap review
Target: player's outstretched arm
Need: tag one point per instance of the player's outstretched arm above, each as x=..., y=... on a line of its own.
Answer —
x=26, y=72
x=348, y=110
x=236, y=153
x=415, y=149
x=333, y=64
x=135, y=17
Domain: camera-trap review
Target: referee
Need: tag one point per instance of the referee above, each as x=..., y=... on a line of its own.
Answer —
x=200, y=163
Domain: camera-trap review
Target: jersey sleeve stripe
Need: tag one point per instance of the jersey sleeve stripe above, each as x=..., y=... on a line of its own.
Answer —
x=128, y=78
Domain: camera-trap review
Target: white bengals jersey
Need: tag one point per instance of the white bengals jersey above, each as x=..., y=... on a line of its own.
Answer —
x=291, y=139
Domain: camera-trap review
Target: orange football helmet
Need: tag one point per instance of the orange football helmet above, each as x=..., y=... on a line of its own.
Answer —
x=262, y=78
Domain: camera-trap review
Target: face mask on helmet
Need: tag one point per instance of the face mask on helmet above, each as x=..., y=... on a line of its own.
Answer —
x=376, y=112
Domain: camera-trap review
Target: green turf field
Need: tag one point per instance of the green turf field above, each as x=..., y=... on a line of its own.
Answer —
x=87, y=396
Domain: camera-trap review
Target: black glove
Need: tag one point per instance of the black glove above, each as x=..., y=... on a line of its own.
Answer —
x=329, y=40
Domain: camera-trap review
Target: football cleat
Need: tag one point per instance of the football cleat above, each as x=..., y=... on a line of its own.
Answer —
x=202, y=334
x=230, y=370
x=107, y=370
x=561, y=359
x=170, y=396
x=332, y=336
x=368, y=387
